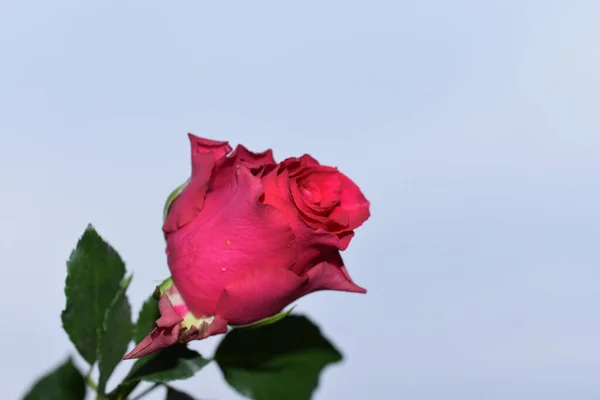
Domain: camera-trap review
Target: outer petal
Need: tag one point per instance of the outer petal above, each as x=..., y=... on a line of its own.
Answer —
x=202, y=145
x=354, y=202
x=226, y=166
x=254, y=159
x=276, y=189
x=165, y=334
x=308, y=160
x=326, y=276
x=259, y=294
x=345, y=238
x=190, y=201
x=295, y=166
x=205, y=154
x=176, y=324
x=234, y=234
x=266, y=291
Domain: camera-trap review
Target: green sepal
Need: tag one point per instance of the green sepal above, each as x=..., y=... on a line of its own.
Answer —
x=266, y=321
x=162, y=288
x=172, y=198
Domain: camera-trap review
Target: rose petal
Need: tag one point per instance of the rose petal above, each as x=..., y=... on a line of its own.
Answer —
x=168, y=314
x=156, y=340
x=202, y=145
x=225, y=168
x=335, y=221
x=327, y=276
x=276, y=188
x=320, y=192
x=255, y=159
x=307, y=160
x=234, y=234
x=345, y=238
x=354, y=202
x=189, y=203
x=259, y=294
x=165, y=334
x=264, y=292
x=295, y=165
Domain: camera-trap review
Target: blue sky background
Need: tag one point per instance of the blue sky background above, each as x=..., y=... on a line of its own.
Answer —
x=472, y=126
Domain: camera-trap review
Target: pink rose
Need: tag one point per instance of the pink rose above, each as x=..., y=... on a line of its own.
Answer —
x=246, y=237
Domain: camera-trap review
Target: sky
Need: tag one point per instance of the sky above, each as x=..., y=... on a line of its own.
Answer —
x=471, y=126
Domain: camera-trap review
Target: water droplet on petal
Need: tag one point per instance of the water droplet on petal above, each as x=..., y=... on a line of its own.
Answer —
x=223, y=269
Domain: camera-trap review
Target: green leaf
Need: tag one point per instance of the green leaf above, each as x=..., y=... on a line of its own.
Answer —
x=267, y=321
x=174, y=394
x=169, y=364
x=94, y=274
x=146, y=321
x=115, y=336
x=65, y=382
x=282, y=360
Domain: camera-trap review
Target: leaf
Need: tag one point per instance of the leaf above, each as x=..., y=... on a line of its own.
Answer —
x=94, y=274
x=282, y=360
x=169, y=364
x=146, y=321
x=115, y=336
x=173, y=394
x=65, y=382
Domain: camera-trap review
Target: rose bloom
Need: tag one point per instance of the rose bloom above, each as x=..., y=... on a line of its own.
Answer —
x=248, y=236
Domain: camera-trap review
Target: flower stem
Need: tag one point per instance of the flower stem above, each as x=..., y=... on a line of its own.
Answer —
x=89, y=381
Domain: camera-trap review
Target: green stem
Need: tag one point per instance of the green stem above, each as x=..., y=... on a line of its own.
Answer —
x=145, y=392
x=89, y=381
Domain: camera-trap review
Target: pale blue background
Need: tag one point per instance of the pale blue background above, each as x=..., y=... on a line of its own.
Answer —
x=472, y=126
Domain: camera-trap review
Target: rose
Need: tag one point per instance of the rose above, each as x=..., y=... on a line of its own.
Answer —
x=246, y=237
